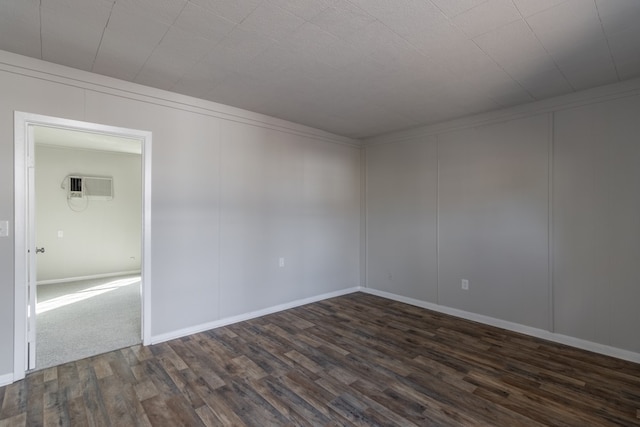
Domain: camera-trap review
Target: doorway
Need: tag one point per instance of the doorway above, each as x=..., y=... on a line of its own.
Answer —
x=76, y=136
x=88, y=218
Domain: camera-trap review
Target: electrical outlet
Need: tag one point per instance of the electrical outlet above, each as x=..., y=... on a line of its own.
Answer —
x=281, y=262
x=465, y=284
x=4, y=228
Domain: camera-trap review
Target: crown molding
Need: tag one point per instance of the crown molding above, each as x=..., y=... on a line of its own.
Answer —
x=589, y=96
x=43, y=70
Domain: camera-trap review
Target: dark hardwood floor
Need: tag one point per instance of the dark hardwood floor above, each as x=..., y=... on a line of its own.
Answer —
x=353, y=360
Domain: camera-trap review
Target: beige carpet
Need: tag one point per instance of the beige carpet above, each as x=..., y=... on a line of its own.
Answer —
x=81, y=319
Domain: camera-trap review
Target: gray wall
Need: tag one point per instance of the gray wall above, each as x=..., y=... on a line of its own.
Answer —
x=232, y=192
x=502, y=190
x=493, y=220
x=596, y=222
x=99, y=236
x=402, y=181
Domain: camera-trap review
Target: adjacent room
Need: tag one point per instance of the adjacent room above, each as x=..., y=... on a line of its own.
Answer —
x=88, y=231
x=335, y=212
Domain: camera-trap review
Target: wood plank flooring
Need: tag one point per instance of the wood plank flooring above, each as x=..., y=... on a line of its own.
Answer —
x=354, y=360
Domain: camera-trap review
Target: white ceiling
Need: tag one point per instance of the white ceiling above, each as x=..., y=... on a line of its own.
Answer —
x=67, y=138
x=357, y=68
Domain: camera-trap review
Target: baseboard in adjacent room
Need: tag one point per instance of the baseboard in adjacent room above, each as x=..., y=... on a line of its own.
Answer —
x=514, y=327
x=156, y=339
x=92, y=277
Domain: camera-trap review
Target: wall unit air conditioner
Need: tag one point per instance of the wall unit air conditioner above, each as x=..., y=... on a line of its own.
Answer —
x=90, y=187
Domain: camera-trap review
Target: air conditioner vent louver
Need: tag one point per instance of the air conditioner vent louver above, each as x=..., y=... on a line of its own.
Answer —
x=90, y=187
x=75, y=187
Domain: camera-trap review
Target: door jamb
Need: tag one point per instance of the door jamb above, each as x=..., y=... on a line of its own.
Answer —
x=23, y=157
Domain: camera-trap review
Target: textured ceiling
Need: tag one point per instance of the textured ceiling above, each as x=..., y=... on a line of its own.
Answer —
x=357, y=68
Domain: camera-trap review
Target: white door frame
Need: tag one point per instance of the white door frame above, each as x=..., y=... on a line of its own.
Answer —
x=24, y=223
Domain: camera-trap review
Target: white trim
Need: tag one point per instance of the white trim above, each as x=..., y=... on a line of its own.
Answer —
x=145, y=274
x=22, y=122
x=550, y=260
x=42, y=70
x=247, y=316
x=364, y=234
x=6, y=379
x=92, y=277
x=20, y=244
x=438, y=216
x=584, y=97
x=515, y=327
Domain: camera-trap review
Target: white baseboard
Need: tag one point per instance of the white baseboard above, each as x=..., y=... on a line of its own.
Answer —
x=156, y=339
x=92, y=277
x=515, y=327
x=6, y=379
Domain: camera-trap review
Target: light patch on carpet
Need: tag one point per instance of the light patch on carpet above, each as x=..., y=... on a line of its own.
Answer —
x=52, y=304
x=81, y=319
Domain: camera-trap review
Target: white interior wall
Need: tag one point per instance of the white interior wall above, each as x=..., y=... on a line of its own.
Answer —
x=98, y=236
x=541, y=213
x=232, y=192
